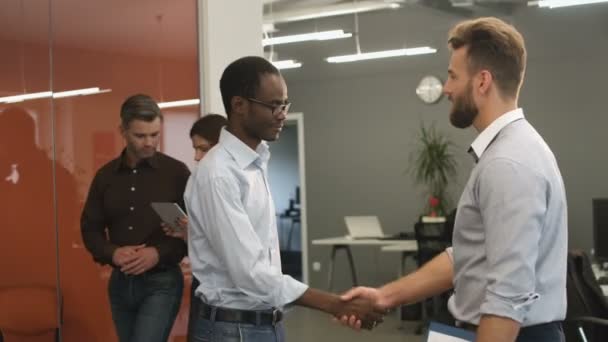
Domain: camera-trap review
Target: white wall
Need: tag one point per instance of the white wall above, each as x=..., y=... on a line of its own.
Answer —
x=176, y=141
x=228, y=30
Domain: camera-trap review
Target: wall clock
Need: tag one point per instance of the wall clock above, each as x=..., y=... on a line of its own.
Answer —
x=430, y=89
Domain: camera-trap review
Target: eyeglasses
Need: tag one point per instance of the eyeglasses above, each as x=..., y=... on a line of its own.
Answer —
x=275, y=108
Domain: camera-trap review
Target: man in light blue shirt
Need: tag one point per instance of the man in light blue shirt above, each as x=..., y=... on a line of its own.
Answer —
x=233, y=242
x=507, y=265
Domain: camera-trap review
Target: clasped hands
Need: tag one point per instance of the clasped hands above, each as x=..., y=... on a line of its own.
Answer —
x=361, y=308
x=135, y=260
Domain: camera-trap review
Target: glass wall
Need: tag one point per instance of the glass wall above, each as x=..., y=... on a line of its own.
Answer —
x=53, y=142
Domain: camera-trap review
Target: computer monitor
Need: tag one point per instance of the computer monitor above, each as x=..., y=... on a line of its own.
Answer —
x=600, y=229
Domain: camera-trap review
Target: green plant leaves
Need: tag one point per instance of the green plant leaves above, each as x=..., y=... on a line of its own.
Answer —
x=434, y=164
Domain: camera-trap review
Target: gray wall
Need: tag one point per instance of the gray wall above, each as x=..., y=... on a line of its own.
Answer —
x=362, y=119
x=284, y=177
x=283, y=170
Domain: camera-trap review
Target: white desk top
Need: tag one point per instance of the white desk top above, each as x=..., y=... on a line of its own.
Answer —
x=406, y=246
x=600, y=273
x=343, y=240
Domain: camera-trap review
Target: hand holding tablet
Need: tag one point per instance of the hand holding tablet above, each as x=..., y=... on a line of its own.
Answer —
x=171, y=214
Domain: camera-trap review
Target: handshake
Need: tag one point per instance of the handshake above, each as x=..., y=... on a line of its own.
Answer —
x=361, y=307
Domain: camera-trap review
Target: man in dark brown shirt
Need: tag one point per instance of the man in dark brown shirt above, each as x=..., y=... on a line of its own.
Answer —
x=120, y=228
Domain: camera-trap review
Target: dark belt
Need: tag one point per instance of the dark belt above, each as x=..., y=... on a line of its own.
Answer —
x=523, y=330
x=218, y=314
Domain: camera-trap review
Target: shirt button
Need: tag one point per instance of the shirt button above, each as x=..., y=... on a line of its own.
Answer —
x=130, y=228
x=132, y=188
x=131, y=208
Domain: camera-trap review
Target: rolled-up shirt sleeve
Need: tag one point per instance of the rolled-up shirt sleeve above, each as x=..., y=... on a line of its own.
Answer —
x=450, y=252
x=232, y=237
x=513, y=204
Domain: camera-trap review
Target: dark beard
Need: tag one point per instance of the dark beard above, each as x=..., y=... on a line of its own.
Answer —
x=464, y=111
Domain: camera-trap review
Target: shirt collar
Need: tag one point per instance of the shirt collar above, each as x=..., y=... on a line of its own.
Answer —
x=121, y=162
x=244, y=155
x=485, y=138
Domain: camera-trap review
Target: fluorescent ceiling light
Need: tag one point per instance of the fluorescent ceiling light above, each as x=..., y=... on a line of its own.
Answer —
x=462, y=3
x=56, y=95
x=287, y=64
x=323, y=35
x=328, y=11
x=566, y=3
x=25, y=97
x=181, y=103
x=381, y=54
x=78, y=92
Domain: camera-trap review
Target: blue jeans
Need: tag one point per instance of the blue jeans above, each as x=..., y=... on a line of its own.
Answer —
x=144, y=307
x=205, y=330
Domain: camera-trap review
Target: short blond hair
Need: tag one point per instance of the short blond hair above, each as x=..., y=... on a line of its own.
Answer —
x=493, y=45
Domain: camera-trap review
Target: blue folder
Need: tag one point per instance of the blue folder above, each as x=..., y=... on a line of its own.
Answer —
x=448, y=330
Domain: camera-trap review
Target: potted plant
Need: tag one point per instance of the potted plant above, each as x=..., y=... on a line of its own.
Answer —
x=433, y=165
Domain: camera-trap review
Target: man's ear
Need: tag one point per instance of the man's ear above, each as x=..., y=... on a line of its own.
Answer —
x=240, y=105
x=484, y=81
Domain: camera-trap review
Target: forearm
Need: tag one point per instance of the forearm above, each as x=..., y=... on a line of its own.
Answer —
x=433, y=278
x=497, y=329
x=319, y=300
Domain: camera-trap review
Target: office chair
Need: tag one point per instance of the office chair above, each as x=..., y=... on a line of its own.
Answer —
x=29, y=311
x=587, y=314
x=432, y=239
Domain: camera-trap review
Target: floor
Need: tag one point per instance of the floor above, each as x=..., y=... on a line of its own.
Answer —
x=308, y=325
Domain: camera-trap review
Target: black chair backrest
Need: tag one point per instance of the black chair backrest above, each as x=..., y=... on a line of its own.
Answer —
x=450, y=219
x=585, y=298
x=432, y=238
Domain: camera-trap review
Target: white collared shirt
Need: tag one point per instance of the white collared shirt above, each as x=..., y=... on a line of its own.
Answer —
x=233, y=240
x=483, y=140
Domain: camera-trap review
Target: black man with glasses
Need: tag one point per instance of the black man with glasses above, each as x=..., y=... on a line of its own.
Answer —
x=233, y=239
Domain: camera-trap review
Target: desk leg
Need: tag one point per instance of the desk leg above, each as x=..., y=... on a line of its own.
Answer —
x=352, y=266
x=349, y=255
x=330, y=272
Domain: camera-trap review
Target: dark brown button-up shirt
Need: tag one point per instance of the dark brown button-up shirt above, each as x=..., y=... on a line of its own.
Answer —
x=119, y=201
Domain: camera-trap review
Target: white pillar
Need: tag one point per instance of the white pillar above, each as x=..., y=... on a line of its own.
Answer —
x=228, y=30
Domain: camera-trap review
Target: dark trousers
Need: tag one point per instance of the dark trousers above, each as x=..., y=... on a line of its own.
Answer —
x=193, y=305
x=547, y=332
x=144, y=307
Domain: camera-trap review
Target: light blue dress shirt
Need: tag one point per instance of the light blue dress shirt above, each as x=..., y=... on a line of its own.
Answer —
x=233, y=242
x=510, y=236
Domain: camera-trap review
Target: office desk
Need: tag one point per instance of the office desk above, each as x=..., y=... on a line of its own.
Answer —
x=406, y=250
x=344, y=243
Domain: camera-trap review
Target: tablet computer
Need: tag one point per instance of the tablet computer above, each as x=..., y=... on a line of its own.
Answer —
x=169, y=212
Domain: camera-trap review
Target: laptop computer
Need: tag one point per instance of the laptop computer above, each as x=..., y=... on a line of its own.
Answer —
x=368, y=227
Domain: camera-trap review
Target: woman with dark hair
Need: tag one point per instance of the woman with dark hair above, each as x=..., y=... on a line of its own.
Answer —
x=205, y=133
